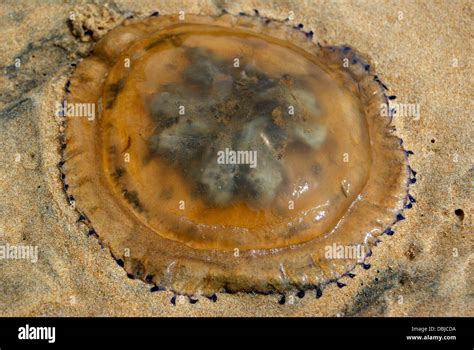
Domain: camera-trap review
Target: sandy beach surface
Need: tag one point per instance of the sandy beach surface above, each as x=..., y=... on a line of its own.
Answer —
x=421, y=49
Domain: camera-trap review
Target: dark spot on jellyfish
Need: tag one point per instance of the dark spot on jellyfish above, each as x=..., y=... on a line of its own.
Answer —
x=282, y=300
x=366, y=266
x=118, y=173
x=92, y=232
x=193, y=301
x=319, y=293
x=155, y=14
x=132, y=198
x=129, y=143
x=112, y=92
x=166, y=193
x=460, y=214
x=432, y=140
x=173, y=300
x=213, y=298
x=392, y=97
x=220, y=151
x=129, y=275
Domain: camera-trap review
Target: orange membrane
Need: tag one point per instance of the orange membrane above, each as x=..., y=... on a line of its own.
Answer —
x=315, y=163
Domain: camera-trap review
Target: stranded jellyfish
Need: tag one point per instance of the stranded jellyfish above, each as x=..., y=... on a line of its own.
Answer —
x=230, y=154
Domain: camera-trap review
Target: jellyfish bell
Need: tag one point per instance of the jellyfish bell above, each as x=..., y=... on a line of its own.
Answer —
x=229, y=152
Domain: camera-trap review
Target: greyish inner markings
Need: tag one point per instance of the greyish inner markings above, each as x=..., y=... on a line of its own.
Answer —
x=227, y=108
x=237, y=109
